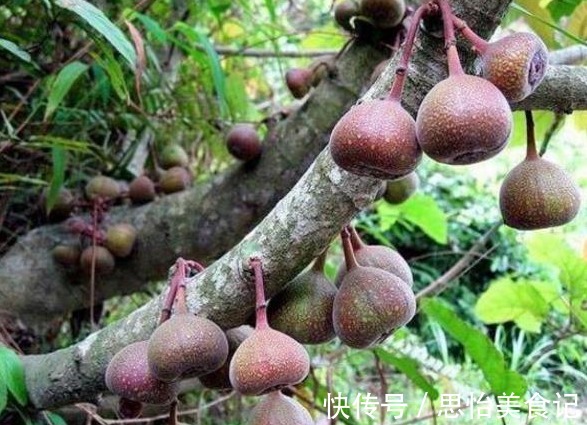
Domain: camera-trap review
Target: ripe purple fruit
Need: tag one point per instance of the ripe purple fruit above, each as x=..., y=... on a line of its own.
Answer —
x=299, y=81
x=277, y=409
x=383, y=13
x=243, y=142
x=344, y=12
x=141, y=190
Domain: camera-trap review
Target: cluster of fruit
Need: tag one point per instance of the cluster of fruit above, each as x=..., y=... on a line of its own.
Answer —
x=464, y=119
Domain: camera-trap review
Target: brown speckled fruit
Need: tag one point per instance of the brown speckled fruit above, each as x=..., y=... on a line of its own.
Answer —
x=370, y=304
x=243, y=142
x=463, y=120
x=104, y=261
x=383, y=13
x=268, y=360
x=344, y=12
x=175, y=179
x=516, y=64
x=303, y=310
x=378, y=256
x=376, y=138
x=174, y=156
x=128, y=376
x=141, y=190
x=299, y=81
x=400, y=190
x=186, y=346
x=67, y=255
x=277, y=409
x=102, y=187
x=220, y=379
x=120, y=239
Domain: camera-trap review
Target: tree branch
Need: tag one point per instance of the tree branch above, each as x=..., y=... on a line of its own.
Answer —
x=300, y=226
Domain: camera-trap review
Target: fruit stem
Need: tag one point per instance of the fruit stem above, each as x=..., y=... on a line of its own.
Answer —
x=318, y=265
x=261, y=305
x=356, y=240
x=349, y=255
x=93, y=267
x=480, y=45
x=180, y=276
x=450, y=42
x=531, y=152
x=401, y=70
x=173, y=413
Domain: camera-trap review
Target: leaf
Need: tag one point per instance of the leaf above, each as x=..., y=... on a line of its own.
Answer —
x=578, y=22
x=3, y=393
x=58, y=176
x=153, y=27
x=238, y=101
x=15, y=50
x=410, y=368
x=55, y=419
x=526, y=303
x=109, y=64
x=141, y=57
x=388, y=215
x=479, y=347
x=542, y=23
x=62, y=84
x=97, y=20
x=424, y=212
x=560, y=8
x=12, y=372
x=542, y=122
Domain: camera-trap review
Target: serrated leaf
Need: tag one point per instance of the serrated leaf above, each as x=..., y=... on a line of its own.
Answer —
x=526, y=303
x=410, y=368
x=423, y=211
x=57, y=177
x=479, y=347
x=13, y=374
x=15, y=50
x=97, y=20
x=62, y=85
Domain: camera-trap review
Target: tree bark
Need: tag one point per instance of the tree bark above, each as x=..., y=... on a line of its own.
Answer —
x=300, y=226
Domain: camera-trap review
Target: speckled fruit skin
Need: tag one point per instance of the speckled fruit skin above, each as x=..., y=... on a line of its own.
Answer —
x=537, y=194
x=303, y=310
x=370, y=304
x=103, y=187
x=128, y=375
x=141, y=190
x=400, y=190
x=376, y=138
x=343, y=13
x=516, y=64
x=277, y=409
x=383, y=13
x=298, y=81
x=174, y=156
x=243, y=142
x=266, y=361
x=220, y=379
x=186, y=346
x=104, y=261
x=174, y=180
x=463, y=120
x=380, y=257
x=120, y=239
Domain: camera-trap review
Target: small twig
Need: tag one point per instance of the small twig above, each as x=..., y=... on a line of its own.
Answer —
x=383, y=386
x=558, y=121
x=266, y=53
x=571, y=55
x=93, y=268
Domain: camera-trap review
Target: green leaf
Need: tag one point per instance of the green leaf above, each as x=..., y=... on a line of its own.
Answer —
x=55, y=419
x=479, y=347
x=109, y=64
x=153, y=27
x=578, y=22
x=526, y=303
x=15, y=50
x=62, y=84
x=238, y=102
x=542, y=122
x=424, y=212
x=3, y=393
x=410, y=368
x=388, y=215
x=12, y=372
x=97, y=20
x=58, y=176
x=560, y=8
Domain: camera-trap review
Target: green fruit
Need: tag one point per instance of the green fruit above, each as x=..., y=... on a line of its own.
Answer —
x=120, y=239
x=67, y=255
x=174, y=180
x=186, y=346
x=277, y=409
x=303, y=310
x=383, y=13
x=174, y=156
x=463, y=120
x=220, y=379
x=128, y=376
x=102, y=187
x=104, y=261
x=400, y=190
x=141, y=190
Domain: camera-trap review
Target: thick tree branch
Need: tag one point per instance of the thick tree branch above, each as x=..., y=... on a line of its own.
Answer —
x=298, y=229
